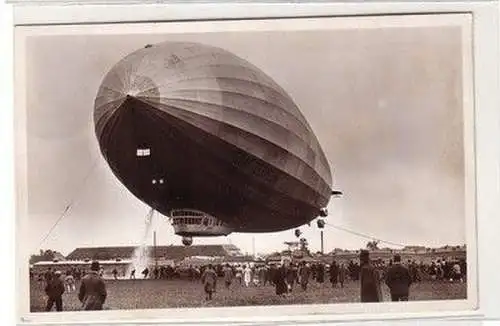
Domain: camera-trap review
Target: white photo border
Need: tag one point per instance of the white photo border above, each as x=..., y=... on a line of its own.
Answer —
x=485, y=116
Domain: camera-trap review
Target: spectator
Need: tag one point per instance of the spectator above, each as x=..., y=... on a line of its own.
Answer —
x=209, y=279
x=398, y=279
x=239, y=274
x=291, y=276
x=49, y=275
x=342, y=274
x=263, y=275
x=228, y=276
x=280, y=280
x=457, y=273
x=320, y=276
x=334, y=273
x=78, y=274
x=54, y=290
x=145, y=273
x=304, y=275
x=271, y=274
x=92, y=290
x=247, y=275
x=370, y=279
x=69, y=281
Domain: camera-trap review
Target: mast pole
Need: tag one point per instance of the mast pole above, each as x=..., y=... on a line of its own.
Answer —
x=154, y=250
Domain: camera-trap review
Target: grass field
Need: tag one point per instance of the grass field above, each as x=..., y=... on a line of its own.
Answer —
x=154, y=294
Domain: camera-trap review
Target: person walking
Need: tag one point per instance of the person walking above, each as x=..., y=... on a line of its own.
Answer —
x=370, y=279
x=92, y=292
x=398, y=279
x=145, y=273
x=228, y=276
x=209, y=280
x=54, y=291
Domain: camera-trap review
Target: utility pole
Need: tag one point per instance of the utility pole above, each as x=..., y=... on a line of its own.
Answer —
x=253, y=247
x=322, y=248
x=154, y=249
x=324, y=214
x=321, y=226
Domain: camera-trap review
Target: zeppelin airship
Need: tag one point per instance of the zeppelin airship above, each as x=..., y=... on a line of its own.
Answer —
x=209, y=140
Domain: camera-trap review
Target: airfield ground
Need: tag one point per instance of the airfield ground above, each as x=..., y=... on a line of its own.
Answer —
x=157, y=294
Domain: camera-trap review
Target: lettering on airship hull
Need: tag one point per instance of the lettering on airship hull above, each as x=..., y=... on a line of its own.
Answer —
x=226, y=138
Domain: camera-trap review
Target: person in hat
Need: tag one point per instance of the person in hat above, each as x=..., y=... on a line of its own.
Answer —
x=370, y=279
x=69, y=281
x=342, y=274
x=398, y=279
x=280, y=279
x=54, y=290
x=228, y=276
x=93, y=292
x=209, y=279
x=304, y=275
x=334, y=273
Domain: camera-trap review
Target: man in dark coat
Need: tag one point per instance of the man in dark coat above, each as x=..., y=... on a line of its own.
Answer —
x=92, y=289
x=334, y=273
x=271, y=274
x=398, y=279
x=209, y=279
x=370, y=279
x=320, y=276
x=49, y=275
x=342, y=274
x=304, y=275
x=291, y=276
x=228, y=275
x=280, y=280
x=54, y=290
x=145, y=273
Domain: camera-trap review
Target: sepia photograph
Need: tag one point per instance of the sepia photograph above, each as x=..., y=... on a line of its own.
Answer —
x=278, y=162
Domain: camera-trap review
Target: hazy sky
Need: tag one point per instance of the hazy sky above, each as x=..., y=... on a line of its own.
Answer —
x=384, y=103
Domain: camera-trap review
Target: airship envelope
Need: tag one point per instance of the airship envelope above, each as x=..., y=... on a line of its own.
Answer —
x=186, y=125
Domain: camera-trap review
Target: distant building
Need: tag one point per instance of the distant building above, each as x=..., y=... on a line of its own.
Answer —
x=174, y=253
x=417, y=253
x=121, y=257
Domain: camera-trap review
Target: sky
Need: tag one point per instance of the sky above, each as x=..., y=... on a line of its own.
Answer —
x=385, y=104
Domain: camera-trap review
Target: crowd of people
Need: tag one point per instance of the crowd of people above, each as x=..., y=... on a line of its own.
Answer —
x=398, y=276
x=284, y=277
x=92, y=291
